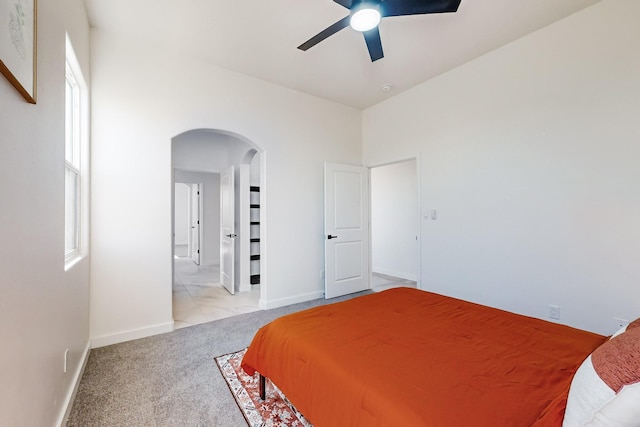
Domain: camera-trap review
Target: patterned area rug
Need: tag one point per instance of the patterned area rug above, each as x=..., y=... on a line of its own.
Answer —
x=274, y=411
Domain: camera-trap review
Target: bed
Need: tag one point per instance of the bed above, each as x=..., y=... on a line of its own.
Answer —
x=406, y=357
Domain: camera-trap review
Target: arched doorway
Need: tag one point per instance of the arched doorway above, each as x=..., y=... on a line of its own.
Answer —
x=199, y=159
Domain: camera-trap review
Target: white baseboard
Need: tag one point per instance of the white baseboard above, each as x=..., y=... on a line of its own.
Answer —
x=132, y=334
x=265, y=305
x=399, y=274
x=73, y=390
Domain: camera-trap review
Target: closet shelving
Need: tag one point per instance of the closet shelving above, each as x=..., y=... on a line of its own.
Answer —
x=254, y=225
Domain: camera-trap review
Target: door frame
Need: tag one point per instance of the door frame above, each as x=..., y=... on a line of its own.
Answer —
x=228, y=242
x=186, y=206
x=262, y=159
x=196, y=188
x=417, y=158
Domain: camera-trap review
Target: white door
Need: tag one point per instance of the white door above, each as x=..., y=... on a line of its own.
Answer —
x=227, y=229
x=346, y=224
x=195, y=223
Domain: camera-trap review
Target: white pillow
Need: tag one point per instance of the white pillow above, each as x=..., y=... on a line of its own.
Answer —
x=600, y=379
x=621, y=411
x=587, y=394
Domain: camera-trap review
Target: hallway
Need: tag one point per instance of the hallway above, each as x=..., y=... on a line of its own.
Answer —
x=198, y=296
x=381, y=282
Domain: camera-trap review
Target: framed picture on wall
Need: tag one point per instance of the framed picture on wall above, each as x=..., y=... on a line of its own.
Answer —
x=18, y=37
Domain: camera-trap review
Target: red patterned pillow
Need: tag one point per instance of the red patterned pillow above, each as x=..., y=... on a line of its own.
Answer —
x=617, y=361
x=634, y=324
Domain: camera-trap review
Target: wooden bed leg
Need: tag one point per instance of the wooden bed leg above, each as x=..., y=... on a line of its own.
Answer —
x=263, y=388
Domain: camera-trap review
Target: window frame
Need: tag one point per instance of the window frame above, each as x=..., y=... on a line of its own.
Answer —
x=76, y=160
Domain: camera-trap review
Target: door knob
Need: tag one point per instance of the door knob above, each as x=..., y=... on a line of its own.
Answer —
x=231, y=235
x=331, y=237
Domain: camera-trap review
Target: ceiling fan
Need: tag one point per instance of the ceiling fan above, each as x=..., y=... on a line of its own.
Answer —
x=365, y=15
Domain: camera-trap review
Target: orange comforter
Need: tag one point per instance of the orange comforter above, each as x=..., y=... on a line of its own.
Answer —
x=406, y=357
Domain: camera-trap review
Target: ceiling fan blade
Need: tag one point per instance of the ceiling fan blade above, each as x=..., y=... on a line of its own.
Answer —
x=374, y=44
x=343, y=23
x=345, y=3
x=417, y=7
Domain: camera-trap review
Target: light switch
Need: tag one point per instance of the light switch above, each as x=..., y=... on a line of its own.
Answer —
x=434, y=214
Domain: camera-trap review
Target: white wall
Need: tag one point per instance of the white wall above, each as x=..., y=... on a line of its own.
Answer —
x=152, y=96
x=182, y=223
x=394, y=220
x=531, y=156
x=255, y=171
x=206, y=150
x=43, y=309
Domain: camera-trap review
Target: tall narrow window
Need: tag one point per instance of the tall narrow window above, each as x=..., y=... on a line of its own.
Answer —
x=75, y=144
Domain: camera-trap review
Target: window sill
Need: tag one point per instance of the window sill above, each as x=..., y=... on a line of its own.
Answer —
x=71, y=260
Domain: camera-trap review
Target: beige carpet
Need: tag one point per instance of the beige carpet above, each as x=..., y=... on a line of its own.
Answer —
x=170, y=379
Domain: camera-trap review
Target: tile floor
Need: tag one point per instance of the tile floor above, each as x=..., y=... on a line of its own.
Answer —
x=198, y=296
x=380, y=282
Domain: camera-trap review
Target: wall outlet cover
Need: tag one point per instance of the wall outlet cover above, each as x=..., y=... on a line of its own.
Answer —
x=619, y=322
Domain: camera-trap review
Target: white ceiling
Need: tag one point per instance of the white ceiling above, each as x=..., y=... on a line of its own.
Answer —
x=260, y=38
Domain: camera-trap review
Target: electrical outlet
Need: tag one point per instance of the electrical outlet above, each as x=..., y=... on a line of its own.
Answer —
x=554, y=311
x=620, y=322
x=66, y=356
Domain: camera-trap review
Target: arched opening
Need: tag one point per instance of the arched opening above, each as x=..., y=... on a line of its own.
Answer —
x=217, y=239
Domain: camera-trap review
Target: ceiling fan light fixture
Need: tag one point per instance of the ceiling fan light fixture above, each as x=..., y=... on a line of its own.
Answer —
x=365, y=19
